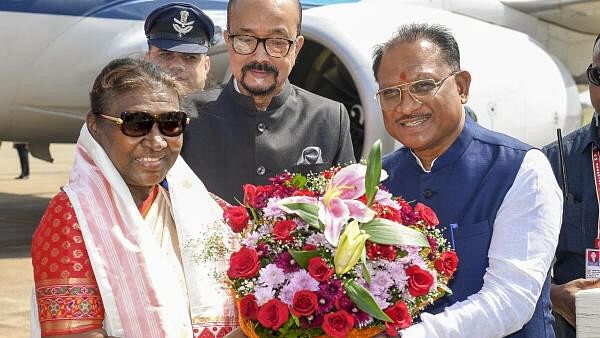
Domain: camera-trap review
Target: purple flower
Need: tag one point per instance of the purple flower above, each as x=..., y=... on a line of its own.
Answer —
x=286, y=262
x=362, y=318
x=271, y=276
x=381, y=300
x=281, y=188
x=325, y=302
x=412, y=250
x=287, y=294
x=251, y=240
x=331, y=289
x=262, y=249
x=317, y=239
x=265, y=229
x=344, y=303
x=272, y=209
x=263, y=295
x=311, y=322
x=302, y=280
x=396, y=270
x=408, y=215
x=299, y=280
x=380, y=282
x=384, y=198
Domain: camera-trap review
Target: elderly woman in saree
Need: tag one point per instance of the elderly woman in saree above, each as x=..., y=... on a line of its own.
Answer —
x=133, y=245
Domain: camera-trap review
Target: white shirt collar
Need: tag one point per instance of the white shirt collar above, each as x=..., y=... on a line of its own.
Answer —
x=235, y=86
x=421, y=163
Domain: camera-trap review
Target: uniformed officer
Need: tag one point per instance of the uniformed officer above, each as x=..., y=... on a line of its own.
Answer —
x=179, y=36
x=261, y=125
x=580, y=225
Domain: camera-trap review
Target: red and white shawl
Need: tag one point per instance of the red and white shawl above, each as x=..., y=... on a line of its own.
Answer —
x=140, y=297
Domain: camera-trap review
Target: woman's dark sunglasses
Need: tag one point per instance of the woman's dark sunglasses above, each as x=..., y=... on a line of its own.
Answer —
x=593, y=75
x=139, y=123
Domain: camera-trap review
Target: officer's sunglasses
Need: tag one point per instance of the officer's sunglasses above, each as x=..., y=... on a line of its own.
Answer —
x=593, y=75
x=139, y=123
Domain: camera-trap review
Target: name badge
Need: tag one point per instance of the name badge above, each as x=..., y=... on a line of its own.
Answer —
x=592, y=263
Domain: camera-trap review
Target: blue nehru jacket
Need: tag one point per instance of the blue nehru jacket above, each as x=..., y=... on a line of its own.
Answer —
x=466, y=186
x=580, y=209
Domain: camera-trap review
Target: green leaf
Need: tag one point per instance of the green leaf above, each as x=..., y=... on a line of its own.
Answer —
x=254, y=215
x=365, y=270
x=302, y=257
x=298, y=181
x=308, y=212
x=364, y=300
x=384, y=231
x=373, y=172
x=445, y=288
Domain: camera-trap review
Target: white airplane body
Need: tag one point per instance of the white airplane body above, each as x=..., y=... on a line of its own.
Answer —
x=52, y=50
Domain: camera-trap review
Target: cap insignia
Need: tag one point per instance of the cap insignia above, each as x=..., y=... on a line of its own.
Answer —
x=182, y=26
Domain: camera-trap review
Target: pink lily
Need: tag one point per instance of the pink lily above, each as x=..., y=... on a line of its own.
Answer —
x=339, y=203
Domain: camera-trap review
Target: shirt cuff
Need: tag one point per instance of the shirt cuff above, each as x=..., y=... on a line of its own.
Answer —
x=416, y=330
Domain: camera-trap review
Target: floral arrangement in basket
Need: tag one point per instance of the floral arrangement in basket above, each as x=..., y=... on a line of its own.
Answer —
x=334, y=254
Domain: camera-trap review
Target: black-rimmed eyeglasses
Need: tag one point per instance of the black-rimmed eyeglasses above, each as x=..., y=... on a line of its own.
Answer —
x=275, y=47
x=139, y=123
x=420, y=90
x=593, y=75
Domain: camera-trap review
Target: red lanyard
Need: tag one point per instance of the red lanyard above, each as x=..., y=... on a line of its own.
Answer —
x=596, y=166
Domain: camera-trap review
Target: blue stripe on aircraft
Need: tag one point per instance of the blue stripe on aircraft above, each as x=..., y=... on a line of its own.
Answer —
x=113, y=9
x=118, y=9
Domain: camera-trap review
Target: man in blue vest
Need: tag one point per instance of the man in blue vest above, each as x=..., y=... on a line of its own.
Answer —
x=580, y=217
x=496, y=195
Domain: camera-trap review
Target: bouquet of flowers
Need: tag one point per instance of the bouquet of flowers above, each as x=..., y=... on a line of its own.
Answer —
x=335, y=254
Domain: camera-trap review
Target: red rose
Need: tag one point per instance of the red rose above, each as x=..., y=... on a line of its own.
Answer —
x=337, y=324
x=388, y=252
x=419, y=280
x=273, y=314
x=303, y=192
x=394, y=215
x=309, y=247
x=319, y=270
x=237, y=217
x=249, y=195
x=249, y=307
x=447, y=263
x=304, y=303
x=329, y=173
x=375, y=251
x=282, y=229
x=401, y=317
x=433, y=246
x=427, y=214
x=243, y=264
x=372, y=250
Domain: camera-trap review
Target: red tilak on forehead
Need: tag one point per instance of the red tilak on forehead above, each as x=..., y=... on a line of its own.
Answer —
x=402, y=76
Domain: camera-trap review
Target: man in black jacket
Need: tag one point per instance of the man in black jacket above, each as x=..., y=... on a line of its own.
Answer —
x=261, y=125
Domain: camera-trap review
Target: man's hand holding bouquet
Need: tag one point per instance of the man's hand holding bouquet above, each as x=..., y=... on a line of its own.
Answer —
x=333, y=254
